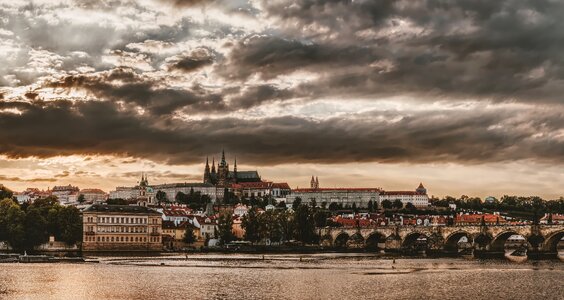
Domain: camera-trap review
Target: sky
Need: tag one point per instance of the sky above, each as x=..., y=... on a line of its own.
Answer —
x=464, y=96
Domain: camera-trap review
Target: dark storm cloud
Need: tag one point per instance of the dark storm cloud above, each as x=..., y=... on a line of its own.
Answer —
x=47, y=129
x=271, y=56
x=136, y=89
x=501, y=50
x=193, y=61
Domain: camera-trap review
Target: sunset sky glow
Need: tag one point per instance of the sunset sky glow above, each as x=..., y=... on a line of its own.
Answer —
x=464, y=96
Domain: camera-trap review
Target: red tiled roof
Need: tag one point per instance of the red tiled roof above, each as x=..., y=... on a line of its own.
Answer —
x=92, y=191
x=411, y=193
x=281, y=185
x=337, y=189
x=253, y=185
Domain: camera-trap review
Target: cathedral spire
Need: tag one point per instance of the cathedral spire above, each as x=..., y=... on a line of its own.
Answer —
x=223, y=162
x=213, y=165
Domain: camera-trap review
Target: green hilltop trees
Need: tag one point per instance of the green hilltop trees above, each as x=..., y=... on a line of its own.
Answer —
x=27, y=226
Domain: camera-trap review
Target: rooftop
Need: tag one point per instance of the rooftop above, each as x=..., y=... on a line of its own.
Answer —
x=121, y=209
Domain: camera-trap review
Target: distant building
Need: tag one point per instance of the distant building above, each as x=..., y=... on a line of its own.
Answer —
x=207, y=226
x=66, y=194
x=261, y=189
x=173, y=234
x=223, y=177
x=358, y=196
x=94, y=195
x=344, y=196
x=121, y=228
x=240, y=210
x=31, y=194
x=147, y=191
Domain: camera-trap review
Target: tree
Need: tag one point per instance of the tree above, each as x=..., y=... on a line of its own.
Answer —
x=225, y=228
x=81, y=198
x=250, y=224
x=304, y=224
x=161, y=197
x=5, y=192
x=285, y=220
x=320, y=218
x=35, y=228
x=70, y=225
x=313, y=203
x=189, y=236
x=370, y=206
x=15, y=227
x=387, y=204
x=297, y=202
x=397, y=204
x=409, y=206
x=180, y=197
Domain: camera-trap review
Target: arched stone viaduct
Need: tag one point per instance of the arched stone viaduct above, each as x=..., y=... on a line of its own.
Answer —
x=489, y=238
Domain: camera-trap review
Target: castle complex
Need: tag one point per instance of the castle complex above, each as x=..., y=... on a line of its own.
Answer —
x=223, y=177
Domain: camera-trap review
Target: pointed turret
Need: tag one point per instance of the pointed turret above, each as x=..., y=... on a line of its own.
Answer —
x=316, y=182
x=213, y=166
x=207, y=171
x=421, y=189
x=223, y=162
x=312, y=182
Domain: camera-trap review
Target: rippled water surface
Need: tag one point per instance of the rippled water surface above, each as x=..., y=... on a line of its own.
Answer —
x=326, y=276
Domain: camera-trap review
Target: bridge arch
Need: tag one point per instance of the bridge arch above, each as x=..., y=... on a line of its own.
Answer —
x=415, y=241
x=498, y=243
x=374, y=241
x=356, y=241
x=551, y=241
x=341, y=240
x=451, y=242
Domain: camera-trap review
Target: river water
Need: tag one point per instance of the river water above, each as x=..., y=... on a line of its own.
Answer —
x=321, y=276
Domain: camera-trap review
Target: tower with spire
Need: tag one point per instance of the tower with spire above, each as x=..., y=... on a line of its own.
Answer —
x=222, y=170
x=207, y=173
x=314, y=183
x=223, y=177
x=421, y=189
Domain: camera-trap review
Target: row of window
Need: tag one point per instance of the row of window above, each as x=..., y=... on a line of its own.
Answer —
x=119, y=220
x=121, y=239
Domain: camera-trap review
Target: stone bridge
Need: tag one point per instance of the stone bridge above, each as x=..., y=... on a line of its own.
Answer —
x=488, y=238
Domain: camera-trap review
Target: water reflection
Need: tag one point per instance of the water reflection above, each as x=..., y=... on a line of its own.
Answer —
x=320, y=276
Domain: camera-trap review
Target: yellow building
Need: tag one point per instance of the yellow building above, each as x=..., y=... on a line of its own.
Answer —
x=121, y=228
x=173, y=235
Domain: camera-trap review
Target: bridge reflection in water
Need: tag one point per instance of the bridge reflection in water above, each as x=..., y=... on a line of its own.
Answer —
x=486, y=240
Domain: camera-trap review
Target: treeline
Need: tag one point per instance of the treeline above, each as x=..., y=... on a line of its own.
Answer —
x=277, y=225
x=194, y=200
x=505, y=203
x=26, y=226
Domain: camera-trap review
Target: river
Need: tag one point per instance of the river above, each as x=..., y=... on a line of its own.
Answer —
x=318, y=276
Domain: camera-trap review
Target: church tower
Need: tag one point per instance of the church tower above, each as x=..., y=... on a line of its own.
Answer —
x=316, y=182
x=312, y=183
x=207, y=173
x=421, y=189
x=222, y=170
